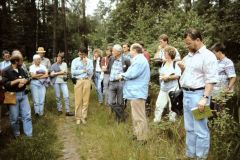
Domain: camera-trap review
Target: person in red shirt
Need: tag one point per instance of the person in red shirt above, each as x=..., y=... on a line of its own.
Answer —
x=145, y=52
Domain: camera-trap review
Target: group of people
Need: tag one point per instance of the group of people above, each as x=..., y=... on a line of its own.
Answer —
x=122, y=75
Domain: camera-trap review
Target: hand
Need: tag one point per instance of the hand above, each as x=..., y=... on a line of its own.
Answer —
x=228, y=89
x=22, y=81
x=52, y=73
x=84, y=60
x=201, y=104
x=181, y=65
x=20, y=85
x=104, y=68
x=165, y=78
x=118, y=77
x=83, y=71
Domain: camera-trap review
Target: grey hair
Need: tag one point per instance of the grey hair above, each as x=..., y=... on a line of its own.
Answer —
x=138, y=47
x=16, y=53
x=117, y=47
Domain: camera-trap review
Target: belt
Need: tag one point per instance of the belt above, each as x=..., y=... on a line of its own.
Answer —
x=97, y=72
x=117, y=80
x=192, y=89
x=82, y=78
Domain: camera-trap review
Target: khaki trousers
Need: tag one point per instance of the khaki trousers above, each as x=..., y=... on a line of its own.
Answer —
x=82, y=95
x=140, y=127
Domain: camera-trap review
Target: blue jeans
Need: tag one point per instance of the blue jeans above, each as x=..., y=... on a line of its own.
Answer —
x=197, y=132
x=97, y=82
x=58, y=87
x=21, y=108
x=38, y=95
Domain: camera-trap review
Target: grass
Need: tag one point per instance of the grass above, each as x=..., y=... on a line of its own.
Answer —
x=44, y=144
x=102, y=138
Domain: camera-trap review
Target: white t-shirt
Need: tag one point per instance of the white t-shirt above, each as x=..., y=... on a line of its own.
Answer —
x=35, y=69
x=169, y=70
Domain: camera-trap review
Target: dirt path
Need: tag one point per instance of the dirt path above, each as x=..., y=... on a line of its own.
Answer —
x=68, y=138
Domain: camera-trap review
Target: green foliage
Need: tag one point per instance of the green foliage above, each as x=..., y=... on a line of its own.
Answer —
x=225, y=137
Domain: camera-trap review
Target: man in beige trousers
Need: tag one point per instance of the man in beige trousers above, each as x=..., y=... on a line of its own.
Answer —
x=135, y=89
x=82, y=71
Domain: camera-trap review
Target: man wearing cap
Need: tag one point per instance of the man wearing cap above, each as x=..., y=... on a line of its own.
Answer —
x=118, y=64
x=82, y=71
x=44, y=61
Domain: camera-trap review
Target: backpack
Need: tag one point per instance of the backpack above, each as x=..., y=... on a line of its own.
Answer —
x=176, y=97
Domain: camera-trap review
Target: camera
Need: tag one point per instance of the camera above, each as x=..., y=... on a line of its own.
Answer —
x=27, y=90
x=65, y=78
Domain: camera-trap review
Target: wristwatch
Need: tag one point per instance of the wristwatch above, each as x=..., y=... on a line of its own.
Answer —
x=204, y=96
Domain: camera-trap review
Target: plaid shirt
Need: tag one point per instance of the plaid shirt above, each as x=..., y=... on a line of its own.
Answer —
x=117, y=69
x=225, y=71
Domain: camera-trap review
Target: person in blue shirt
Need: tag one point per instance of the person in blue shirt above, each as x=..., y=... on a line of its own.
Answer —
x=135, y=89
x=82, y=71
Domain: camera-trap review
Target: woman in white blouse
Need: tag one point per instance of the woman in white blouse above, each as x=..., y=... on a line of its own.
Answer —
x=38, y=84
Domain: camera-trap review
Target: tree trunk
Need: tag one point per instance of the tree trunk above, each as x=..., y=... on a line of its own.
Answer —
x=85, y=43
x=55, y=13
x=37, y=27
x=65, y=31
x=188, y=5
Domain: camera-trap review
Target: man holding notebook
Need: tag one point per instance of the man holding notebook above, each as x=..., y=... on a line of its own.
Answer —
x=199, y=75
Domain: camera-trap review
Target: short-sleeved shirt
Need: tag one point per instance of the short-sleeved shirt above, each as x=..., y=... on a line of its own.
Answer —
x=37, y=69
x=225, y=71
x=200, y=68
x=169, y=70
x=57, y=68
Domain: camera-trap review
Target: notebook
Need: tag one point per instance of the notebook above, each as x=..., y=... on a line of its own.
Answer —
x=201, y=115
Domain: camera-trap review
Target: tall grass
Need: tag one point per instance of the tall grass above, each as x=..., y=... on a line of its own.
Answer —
x=103, y=138
x=44, y=144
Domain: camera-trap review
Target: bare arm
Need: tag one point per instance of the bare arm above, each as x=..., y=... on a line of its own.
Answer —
x=203, y=101
x=231, y=83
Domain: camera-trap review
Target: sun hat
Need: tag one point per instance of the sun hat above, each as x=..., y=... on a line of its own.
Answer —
x=40, y=50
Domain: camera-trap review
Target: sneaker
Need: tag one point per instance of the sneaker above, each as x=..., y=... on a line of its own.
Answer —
x=78, y=121
x=69, y=114
x=37, y=115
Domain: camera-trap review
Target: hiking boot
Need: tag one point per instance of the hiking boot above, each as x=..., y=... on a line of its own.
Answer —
x=69, y=114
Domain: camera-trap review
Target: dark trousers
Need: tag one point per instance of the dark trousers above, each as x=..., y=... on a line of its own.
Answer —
x=116, y=99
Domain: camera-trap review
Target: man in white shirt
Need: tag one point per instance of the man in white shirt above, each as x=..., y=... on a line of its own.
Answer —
x=199, y=76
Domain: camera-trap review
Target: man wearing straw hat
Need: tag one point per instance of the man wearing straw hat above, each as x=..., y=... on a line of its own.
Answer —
x=44, y=61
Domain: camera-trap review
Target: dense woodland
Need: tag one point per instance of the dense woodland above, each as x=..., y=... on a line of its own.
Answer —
x=62, y=25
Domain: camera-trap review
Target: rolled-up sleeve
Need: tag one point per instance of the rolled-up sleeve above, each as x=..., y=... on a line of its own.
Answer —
x=74, y=70
x=210, y=69
x=90, y=67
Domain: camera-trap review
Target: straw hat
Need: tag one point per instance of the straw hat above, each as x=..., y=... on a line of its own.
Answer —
x=40, y=50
